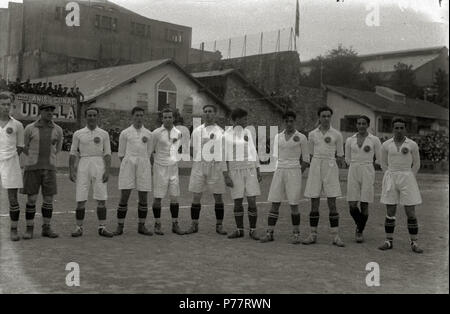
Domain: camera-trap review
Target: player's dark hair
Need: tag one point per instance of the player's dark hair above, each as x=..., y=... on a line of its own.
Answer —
x=7, y=95
x=365, y=118
x=398, y=120
x=238, y=113
x=90, y=109
x=210, y=106
x=288, y=114
x=323, y=109
x=167, y=110
x=137, y=109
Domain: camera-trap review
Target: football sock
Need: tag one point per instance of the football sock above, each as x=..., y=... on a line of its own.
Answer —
x=174, y=210
x=219, y=209
x=296, y=222
x=252, y=217
x=14, y=214
x=413, y=228
x=30, y=212
x=239, y=216
x=47, y=212
x=101, y=215
x=79, y=215
x=195, y=212
x=122, y=213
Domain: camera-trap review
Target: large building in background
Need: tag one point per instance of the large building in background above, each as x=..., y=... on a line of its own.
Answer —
x=425, y=62
x=36, y=42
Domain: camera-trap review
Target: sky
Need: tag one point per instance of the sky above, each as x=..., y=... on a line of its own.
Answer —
x=324, y=24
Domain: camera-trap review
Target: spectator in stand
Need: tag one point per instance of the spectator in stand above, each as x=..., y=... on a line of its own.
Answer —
x=50, y=89
x=79, y=95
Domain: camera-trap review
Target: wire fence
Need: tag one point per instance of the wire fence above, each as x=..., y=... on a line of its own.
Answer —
x=252, y=44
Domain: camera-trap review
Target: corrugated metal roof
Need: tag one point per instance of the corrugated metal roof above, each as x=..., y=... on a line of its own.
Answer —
x=387, y=64
x=97, y=82
x=412, y=108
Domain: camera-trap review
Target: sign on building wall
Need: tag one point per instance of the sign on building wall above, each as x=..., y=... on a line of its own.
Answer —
x=27, y=107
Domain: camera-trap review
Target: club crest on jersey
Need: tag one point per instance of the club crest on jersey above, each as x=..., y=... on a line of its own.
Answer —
x=405, y=150
x=367, y=149
x=9, y=131
x=328, y=140
x=296, y=139
x=212, y=136
x=174, y=140
x=246, y=138
x=144, y=139
x=97, y=140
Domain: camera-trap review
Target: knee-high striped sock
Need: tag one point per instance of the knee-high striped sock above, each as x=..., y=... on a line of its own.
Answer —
x=314, y=221
x=296, y=222
x=272, y=220
x=157, y=213
x=413, y=228
x=30, y=212
x=334, y=223
x=389, y=227
x=79, y=215
x=174, y=210
x=142, y=213
x=239, y=216
x=101, y=215
x=356, y=215
x=195, y=212
x=219, y=209
x=252, y=217
x=122, y=214
x=14, y=214
x=47, y=212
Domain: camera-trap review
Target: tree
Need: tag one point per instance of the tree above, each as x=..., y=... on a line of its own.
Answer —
x=340, y=66
x=404, y=80
x=368, y=81
x=441, y=85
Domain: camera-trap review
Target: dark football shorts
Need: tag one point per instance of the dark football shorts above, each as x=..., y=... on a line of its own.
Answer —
x=34, y=180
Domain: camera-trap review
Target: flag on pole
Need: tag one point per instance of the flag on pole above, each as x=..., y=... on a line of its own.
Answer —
x=297, y=21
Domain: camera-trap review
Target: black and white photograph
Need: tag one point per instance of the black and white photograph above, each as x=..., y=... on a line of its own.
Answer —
x=224, y=153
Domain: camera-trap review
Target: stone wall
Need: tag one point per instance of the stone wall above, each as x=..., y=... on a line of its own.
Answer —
x=278, y=76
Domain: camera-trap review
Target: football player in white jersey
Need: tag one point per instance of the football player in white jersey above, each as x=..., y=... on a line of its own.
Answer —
x=166, y=181
x=400, y=159
x=291, y=153
x=327, y=148
x=207, y=171
x=360, y=151
x=135, y=150
x=243, y=176
x=11, y=146
x=92, y=145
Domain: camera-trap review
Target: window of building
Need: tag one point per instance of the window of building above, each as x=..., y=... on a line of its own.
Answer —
x=97, y=21
x=114, y=24
x=59, y=13
x=140, y=30
x=348, y=124
x=106, y=22
x=167, y=94
x=174, y=36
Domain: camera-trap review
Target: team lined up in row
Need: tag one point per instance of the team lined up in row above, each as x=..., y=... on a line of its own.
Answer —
x=138, y=147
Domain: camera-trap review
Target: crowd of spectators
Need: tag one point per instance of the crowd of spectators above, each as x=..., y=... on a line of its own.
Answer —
x=433, y=147
x=42, y=88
